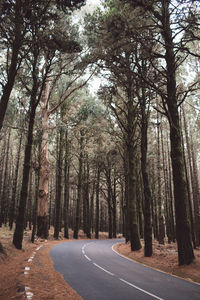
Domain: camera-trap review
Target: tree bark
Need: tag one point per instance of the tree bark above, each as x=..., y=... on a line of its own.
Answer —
x=4, y=198
x=79, y=196
x=15, y=180
x=114, y=205
x=66, y=187
x=147, y=192
x=19, y=230
x=183, y=227
x=131, y=180
x=196, y=196
x=59, y=186
x=97, y=203
x=43, y=195
x=37, y=179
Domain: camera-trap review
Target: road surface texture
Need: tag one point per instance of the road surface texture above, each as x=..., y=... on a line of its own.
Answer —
x=96, y=272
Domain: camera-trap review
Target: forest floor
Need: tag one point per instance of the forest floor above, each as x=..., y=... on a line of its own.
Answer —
x=41, y=281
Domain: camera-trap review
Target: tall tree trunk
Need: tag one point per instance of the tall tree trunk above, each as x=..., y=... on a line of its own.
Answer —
x=131, y=180
x=79, y=196
x=147, y=192
x=161, y=231
x=194, y=185
x=2, y=165
x=4, y=199
x=59, y=186
x=140, y=203
x=37, y=179
x=87, y=198
x=183, y=227
x=92, y=205
x=190, y=195
x=97, y=202
x=19, y=230
x=196, y=196
x=114, y=205
x=109, y=199
x=15, y=180
x=30, y=196
x=66, y=187
x=171, y=199
x=126, y=198
x=43, y=195
x=84, y=198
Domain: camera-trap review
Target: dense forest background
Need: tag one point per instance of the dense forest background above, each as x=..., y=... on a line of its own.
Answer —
x=123, y=158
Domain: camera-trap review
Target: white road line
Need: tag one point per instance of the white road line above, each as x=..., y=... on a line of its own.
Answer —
x=123, y=255
x=152, y=268
x=136, y=287
x=103, y=269
x=29, y=295
x=87, y=257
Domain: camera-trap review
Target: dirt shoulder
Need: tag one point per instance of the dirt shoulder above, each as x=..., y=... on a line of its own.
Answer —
x=164, y=259
x=40, y=280
x=29, y=273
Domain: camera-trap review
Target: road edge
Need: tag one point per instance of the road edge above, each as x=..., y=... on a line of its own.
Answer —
x=176, y=276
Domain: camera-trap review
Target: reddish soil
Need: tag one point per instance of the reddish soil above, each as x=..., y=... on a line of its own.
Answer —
x=45, y=283
x=42, y=280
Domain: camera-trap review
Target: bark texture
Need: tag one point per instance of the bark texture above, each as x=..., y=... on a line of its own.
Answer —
x=43, y=195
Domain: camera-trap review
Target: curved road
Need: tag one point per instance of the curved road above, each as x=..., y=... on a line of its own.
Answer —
x=96, y=272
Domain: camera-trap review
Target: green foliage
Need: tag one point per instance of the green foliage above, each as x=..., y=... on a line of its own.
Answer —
x=69, y=4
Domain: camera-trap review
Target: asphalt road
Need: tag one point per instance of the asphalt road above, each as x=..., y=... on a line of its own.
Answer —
x=96, y=272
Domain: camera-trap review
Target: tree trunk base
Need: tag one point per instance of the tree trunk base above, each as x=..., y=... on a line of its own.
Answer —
x=42, y=227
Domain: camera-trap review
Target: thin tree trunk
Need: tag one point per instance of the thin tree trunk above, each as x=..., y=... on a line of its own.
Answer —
x=43, y=195
x=2, y=165
x=109, y=199
x=15, y=180
x=92, y=206
x=114, y=205
x=30, y=196
x=79, y=196
x=161, y=231
x=37, y=179
x=59, y=186
x=147, y=192
x=97, y=203
x=4, y=199
x=66, y=187
x=196, y=196
x=171, y=202
x=87, y=198
x=166, y=213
